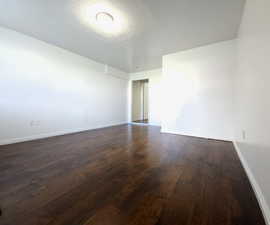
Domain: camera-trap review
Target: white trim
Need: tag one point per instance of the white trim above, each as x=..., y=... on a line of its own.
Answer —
x=144, y=124
x=139, y=124
x=53, y=134
x=256, y=188
x=195, y=135
x=154, y=124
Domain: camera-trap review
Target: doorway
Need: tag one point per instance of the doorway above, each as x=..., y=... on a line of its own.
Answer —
x=140, y=101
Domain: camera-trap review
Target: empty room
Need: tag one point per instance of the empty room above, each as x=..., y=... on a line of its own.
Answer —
x=134, y=112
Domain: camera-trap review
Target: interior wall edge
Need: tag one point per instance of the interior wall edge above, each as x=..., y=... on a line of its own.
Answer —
x=100, y=66
x=57, y=133
x=145, y=74
x=154, y=78
x=114, y=72
x=256, y=188
x=48, y=91
x=196, y=135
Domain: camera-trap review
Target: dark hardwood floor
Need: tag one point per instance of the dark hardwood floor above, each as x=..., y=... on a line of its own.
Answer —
x=125, y=175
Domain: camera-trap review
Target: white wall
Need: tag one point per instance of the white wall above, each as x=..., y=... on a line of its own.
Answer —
x=45, y=90
x=252, y=97
x=198, y=86
x=154, y=91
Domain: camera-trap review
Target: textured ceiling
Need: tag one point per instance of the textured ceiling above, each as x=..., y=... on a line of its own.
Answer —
x=155, y=27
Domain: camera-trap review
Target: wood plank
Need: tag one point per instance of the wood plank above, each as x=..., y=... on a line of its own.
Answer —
x=125, y=175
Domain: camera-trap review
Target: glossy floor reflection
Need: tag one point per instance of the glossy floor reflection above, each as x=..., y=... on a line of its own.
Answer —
x=125, y=175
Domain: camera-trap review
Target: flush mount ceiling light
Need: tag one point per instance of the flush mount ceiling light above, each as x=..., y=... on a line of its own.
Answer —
x=104, y=18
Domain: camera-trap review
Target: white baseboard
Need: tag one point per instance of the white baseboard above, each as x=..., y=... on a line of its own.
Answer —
x=53, y=134
x=154, y=124
x=256, y=188
x=138, y=124
x=144, y=124
x=195, y=135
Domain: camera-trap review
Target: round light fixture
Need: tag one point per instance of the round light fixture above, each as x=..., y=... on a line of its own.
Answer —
x=104, y=18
